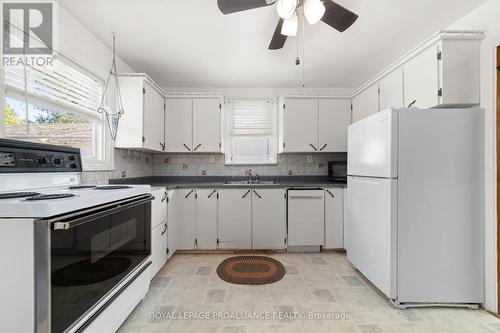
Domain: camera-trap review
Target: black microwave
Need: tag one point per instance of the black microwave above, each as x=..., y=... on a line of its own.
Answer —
x=337, y=171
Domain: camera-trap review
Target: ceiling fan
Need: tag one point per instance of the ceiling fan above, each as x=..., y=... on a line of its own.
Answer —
x=327, y=11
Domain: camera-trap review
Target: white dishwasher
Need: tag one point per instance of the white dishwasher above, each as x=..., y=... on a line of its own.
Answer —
x=306, y=220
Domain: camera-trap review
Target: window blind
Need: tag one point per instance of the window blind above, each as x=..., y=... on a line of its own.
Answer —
x=59, y=84
x=251, y=118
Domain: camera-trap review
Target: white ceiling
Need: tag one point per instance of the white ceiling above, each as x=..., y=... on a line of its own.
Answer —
x=190, y=43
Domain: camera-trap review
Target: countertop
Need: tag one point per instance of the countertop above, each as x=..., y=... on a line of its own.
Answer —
x=175, y=182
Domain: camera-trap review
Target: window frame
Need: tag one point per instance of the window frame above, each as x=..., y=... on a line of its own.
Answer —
x=103, y=145
x=228, y=141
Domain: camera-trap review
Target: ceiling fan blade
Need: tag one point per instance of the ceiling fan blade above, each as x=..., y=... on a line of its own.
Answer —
x=278, y=40
x=233, y=6
x=337, y=16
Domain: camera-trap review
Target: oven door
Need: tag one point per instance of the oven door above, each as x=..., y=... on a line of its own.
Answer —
x=91, y=252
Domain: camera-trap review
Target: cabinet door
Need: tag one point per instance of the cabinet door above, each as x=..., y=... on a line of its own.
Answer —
x=159, y=207
x=131, y=128
x=172, y=228
x=391, y=90
x=306, y=218
x=365, y=104
x=235, y=218
x=206, y=219
x=154, y=118
x=334, y=118
x=159, y=245
x=334, y=219
x=268, y=219
x=178, y=125
x=300, y=125
x=421, y=80
x=184, y=216
x=206, y=125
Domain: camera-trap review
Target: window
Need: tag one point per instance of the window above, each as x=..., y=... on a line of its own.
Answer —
x=56, y=105
x=251, y=132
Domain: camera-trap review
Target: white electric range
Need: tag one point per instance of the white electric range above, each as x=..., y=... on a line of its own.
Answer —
x=75, y=258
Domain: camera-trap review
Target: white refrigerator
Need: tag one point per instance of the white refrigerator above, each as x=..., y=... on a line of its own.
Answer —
x=415, y=204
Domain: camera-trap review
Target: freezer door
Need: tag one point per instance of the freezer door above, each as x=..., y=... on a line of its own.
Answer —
x=372, y=230
x=372, y=146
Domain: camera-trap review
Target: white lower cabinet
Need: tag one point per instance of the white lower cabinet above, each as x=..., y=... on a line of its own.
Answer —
x=334, y=218
x=159, y=246
x=206, y=219
x=306, y=218
x=159, y=240
x=184, y=205
x=235, y=218
x=171, y=226
x=268, y=218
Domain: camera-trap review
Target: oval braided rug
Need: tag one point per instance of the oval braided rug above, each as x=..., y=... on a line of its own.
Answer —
x=251, y=270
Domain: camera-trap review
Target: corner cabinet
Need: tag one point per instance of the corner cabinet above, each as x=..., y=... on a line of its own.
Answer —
x=314, y=125
x=142, y=124
x=193, y=125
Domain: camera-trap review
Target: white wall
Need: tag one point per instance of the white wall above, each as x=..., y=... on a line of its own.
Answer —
x=486, y=17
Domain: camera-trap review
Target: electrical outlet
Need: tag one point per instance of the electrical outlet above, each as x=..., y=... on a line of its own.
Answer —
x=309, y=159
x=212, y=159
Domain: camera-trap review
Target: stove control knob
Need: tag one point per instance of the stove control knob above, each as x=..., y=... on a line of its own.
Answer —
x=73, y=166
x=42, y=160
x=57, y=161
x=71, y=157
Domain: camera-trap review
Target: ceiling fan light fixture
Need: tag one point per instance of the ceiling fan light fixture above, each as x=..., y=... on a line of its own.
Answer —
x=286, y=8
x=290, y=26
x=314, y=11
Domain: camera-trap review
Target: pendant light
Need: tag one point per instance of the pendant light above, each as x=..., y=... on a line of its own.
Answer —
x=286, y=8
x=290, y=26
x=314, y=11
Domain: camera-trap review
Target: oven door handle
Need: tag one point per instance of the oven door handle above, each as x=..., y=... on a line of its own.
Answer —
x=82, y=217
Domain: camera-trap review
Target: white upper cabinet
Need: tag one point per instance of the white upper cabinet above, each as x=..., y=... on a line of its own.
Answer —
x=206, y=125
x=365, y=103
x=314, y=125
x=334, y=118
x=268, y=218
x=142, y=124
x=421, y=82
x=299, y=125
x=391, y=90
x=192, y=125
x=178, y=125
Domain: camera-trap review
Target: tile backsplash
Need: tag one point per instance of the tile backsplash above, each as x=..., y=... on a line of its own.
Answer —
x=130, y=164
x=201, y=165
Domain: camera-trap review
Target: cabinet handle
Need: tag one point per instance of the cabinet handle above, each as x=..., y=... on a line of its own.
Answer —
x=245, y=195
x=198, y=146
x=164, y=197
x=186, y=147
x=164, y=230
x=187, y=195
x=412, y=103
x=257, y=194
x=162, y=146
x=330, y=193
x=213, y=192
x=324, y=146
x=313, y=147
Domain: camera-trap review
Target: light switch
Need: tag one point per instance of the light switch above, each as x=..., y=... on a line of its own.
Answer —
x=309, y=159
x=212, y=159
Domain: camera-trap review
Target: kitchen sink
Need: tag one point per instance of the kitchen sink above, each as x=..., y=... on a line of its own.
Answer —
x=250, y=183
